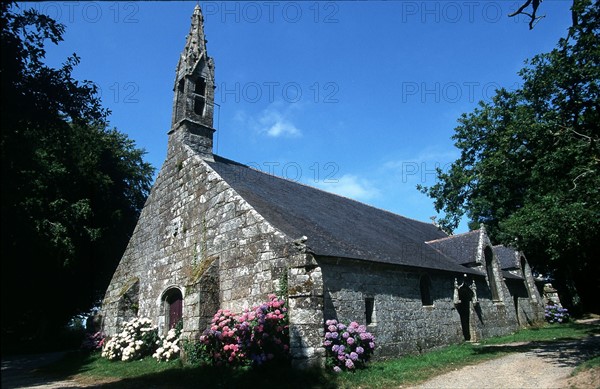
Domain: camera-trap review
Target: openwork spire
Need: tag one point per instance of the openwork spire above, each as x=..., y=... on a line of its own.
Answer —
x=193, y=102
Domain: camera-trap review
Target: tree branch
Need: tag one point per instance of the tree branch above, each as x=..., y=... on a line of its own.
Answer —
x=589, y=138
x=532, y=16
x=578, y=177
x=520, y=10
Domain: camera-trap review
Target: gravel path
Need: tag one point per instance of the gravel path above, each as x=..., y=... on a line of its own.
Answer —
x=543, y=365
x=20, y=372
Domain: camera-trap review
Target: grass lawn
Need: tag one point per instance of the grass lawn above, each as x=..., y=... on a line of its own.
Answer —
x=391, y=373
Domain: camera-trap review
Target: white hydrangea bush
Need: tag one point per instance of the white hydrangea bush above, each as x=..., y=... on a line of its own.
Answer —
x=169, y=348
x=137, y=340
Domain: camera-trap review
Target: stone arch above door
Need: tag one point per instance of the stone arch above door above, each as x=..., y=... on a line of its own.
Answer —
x=171, y=311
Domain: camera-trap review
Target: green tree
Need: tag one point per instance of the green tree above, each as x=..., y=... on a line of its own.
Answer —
x=529, y=163
x=72, y=188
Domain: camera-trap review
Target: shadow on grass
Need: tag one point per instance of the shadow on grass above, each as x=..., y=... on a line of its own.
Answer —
x=565, y=351
x=207, y=377
x=177, y=376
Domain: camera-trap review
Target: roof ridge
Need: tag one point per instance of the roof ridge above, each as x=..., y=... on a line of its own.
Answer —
x=504, y=246
x=453, y=236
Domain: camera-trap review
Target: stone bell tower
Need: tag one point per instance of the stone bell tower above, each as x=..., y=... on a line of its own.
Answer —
x=193, y=104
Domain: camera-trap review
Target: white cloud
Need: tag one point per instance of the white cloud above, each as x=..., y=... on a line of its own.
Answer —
x=351, y=186
x=276, y=123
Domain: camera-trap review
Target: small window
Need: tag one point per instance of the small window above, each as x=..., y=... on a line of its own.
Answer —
x=369, y=310
x=425, y=288
x=199, y=106
x=200, y=87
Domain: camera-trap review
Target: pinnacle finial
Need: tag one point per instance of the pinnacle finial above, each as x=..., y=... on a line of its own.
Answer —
x=197, y=11
x=195, y=46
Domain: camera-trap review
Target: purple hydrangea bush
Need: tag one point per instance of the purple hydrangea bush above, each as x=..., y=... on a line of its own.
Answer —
x=556, y=314
x=257, y=336
x=349, y=346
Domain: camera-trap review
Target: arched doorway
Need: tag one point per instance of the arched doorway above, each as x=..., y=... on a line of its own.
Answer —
x=173, y=307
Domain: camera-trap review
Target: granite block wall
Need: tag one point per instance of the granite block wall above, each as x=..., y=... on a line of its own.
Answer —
x=400, y=320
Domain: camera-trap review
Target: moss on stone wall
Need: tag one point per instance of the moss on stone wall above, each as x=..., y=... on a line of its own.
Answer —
x=195, y=272
x=128, y=285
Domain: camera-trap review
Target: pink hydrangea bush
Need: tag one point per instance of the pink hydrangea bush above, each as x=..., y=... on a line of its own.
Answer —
x=269, y=339
x=349, y=346
x=93, y=341
x=257, y=336
x=223, y=339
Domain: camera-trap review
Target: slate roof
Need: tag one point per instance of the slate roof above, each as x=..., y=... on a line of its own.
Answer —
x=510, y=276
x=462, y=248
x=334, y=225
x=508, y=261
x=507, y=257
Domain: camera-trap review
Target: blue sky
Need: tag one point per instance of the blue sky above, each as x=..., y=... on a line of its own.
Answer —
x=359, y=98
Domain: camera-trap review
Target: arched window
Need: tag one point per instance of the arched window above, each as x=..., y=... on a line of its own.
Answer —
x=425, y=288
x=489, y=267
x=173, y=305
x=200, y=99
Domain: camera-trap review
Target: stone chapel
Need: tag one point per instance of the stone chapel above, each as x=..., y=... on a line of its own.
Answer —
x=215, y=233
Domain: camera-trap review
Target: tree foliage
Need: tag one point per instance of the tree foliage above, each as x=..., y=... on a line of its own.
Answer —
x=72, y=188
x=529, y=163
